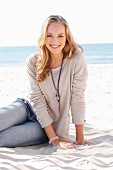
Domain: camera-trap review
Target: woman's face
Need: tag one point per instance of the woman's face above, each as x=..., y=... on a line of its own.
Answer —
x=55, y=37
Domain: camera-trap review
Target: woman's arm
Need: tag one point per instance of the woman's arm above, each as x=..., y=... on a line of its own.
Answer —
x=79, y=132
x=55, y=140
x=35, y=95
x=80, y=136
x=78, y=90
x=78, y=99
x=50, y=131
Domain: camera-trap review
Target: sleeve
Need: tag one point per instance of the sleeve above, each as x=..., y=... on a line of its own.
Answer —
x=36, y=97
x=78, y=91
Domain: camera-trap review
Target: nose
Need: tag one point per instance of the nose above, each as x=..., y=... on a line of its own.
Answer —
x=54, y=39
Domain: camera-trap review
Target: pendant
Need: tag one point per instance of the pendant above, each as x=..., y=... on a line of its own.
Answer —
x=57, y=97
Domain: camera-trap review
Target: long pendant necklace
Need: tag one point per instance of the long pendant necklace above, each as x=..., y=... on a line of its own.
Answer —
x=57, y=97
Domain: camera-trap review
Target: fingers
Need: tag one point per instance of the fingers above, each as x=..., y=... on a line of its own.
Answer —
x=88, y=142
x=67, y=145
x=63, y=144
x=83, y=142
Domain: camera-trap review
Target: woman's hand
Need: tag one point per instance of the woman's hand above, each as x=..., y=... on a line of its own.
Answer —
x=63, y=144
x=80, y=136
x=83, y=142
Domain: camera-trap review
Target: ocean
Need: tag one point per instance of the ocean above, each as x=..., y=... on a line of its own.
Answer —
x=94, y=54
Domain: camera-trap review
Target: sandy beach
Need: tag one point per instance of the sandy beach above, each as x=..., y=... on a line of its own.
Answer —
x=98, y=126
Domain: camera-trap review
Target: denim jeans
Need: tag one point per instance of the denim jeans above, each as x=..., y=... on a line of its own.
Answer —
x=19, y=127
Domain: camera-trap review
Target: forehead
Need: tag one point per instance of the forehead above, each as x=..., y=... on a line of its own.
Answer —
x=55, y=27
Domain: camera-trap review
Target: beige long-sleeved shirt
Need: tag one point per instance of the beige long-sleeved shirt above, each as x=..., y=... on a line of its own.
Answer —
x=71, y=90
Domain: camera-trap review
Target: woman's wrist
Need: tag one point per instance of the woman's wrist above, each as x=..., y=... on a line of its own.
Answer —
x=52, y=139
x=50, y=131
x=79, y=132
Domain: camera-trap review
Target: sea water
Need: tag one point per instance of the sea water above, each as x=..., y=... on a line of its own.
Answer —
x=94, y=54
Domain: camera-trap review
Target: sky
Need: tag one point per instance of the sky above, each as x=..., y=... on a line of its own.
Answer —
x=90, y=21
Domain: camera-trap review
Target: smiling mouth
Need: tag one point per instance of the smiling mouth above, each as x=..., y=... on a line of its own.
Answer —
x=55, y=46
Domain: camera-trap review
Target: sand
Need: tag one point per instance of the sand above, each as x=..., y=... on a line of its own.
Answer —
x=98, y=126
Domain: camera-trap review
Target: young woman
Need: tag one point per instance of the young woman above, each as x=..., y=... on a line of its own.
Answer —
x=57, y=80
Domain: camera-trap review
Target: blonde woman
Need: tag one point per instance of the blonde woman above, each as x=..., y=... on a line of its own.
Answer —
x=57, y=80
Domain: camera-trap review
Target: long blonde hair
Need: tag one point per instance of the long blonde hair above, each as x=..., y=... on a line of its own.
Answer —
x=43, y=58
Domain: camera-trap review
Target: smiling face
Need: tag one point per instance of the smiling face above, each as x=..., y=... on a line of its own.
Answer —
x=55, y=37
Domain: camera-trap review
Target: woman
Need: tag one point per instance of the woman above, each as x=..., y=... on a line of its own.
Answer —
x=57, y=80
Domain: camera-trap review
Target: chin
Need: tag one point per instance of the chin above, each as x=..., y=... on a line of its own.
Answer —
x=55, y=51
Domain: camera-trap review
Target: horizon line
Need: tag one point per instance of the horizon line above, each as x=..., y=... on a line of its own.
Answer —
x=37, y=46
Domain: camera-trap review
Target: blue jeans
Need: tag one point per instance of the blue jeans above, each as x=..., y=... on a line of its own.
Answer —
x=19, y=127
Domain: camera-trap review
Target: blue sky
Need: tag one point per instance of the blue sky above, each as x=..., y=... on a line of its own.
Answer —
x=21, y=20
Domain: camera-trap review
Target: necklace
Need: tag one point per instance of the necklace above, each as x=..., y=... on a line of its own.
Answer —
x=57, y=97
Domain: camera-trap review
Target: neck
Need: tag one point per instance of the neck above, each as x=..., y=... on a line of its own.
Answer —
x=56, y=60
